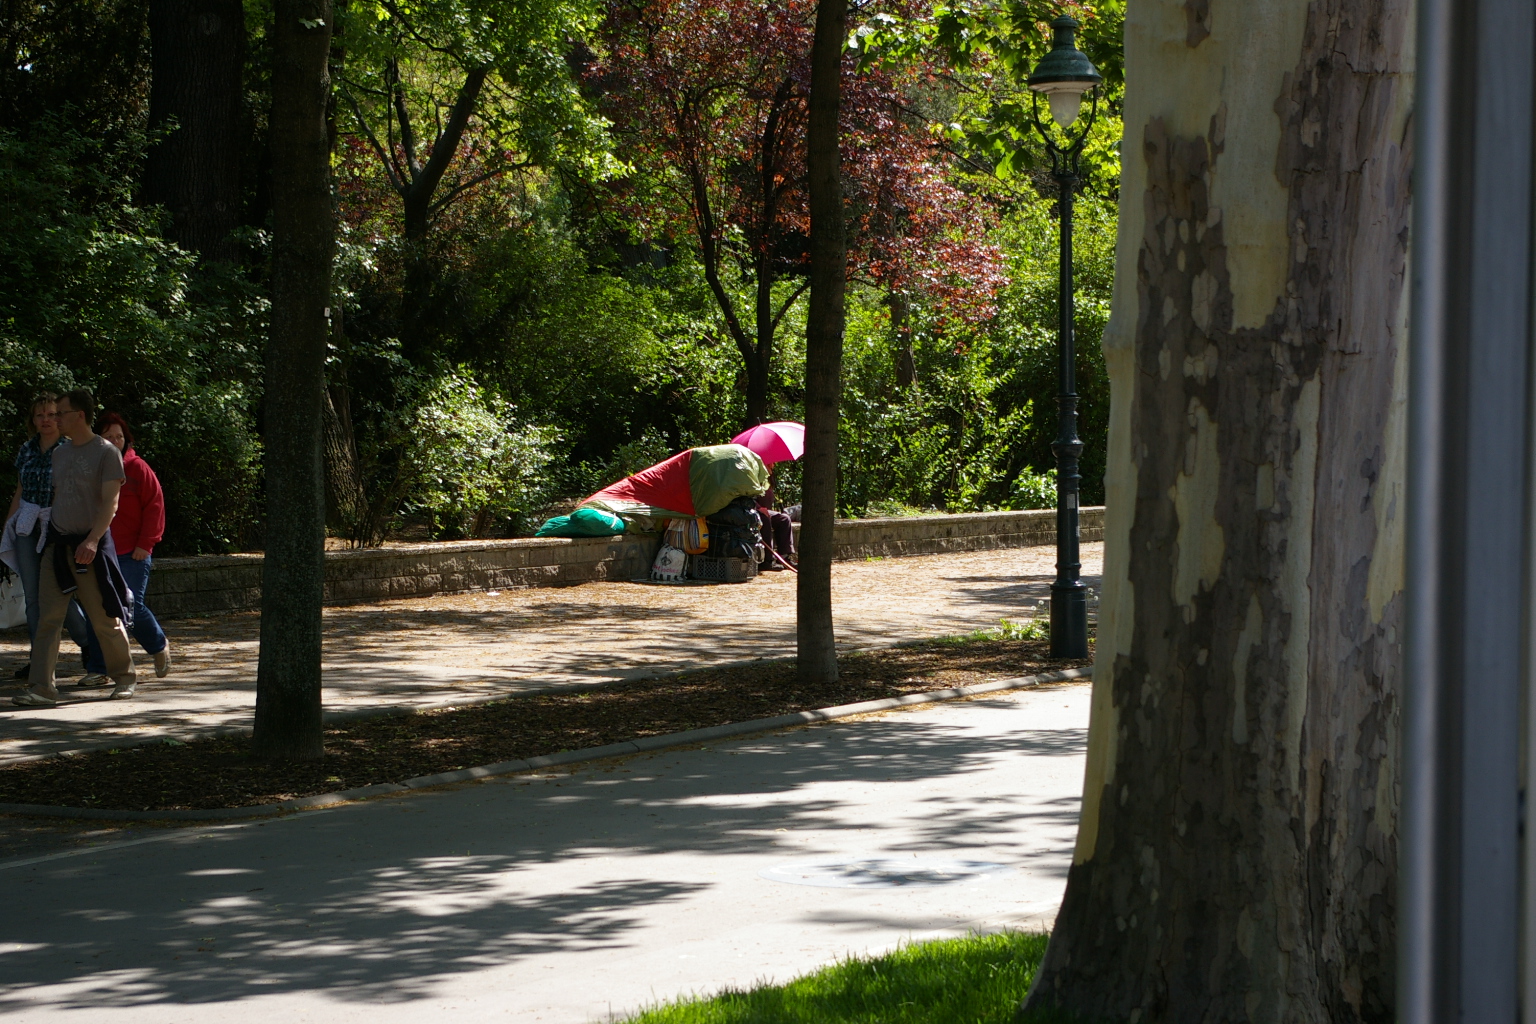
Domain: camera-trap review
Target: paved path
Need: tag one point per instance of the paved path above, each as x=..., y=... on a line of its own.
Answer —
x=440, y=649
x=561, y=897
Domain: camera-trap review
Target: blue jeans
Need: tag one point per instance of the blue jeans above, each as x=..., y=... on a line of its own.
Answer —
x=146, y=629
x=29, y=562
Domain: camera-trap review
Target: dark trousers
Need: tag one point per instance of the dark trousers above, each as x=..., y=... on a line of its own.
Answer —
x=777, y=533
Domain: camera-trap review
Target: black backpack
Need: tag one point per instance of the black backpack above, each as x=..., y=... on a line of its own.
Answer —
x=736, y=530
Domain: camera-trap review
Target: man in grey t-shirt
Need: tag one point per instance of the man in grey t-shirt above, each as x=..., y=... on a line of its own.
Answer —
x=87, y=475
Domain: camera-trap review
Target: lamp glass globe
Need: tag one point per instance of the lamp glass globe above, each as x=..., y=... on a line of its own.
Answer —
x=1064, y=106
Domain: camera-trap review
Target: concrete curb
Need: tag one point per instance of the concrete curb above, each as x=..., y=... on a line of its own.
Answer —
x=564, y=757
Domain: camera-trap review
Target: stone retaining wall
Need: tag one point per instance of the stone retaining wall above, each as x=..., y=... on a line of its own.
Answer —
x=222, y=583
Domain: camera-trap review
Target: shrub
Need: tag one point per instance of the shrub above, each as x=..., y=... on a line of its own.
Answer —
x=468, y=464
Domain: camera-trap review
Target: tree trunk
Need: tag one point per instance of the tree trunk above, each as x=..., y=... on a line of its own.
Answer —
x=346, y=502
x=288, y=673
x=815, y=642
x=1237, y=854
x=756, y=367
x=901, y=339
x=198, y=50
x=418, y=198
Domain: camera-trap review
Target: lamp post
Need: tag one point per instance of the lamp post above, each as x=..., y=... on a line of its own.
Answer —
x=1063, y=76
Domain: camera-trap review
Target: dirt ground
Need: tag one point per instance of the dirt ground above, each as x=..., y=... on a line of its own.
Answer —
x=438, y=650
x=221, y=773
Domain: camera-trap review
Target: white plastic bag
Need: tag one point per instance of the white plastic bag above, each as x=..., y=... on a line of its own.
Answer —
x=671, y=564
x=13, y=607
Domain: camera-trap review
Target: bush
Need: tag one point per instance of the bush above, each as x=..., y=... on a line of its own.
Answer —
x=1034, y=490
x=468, y=465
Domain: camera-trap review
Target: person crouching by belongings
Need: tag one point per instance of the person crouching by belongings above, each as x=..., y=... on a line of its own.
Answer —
x=778, y=534
x=87, y=475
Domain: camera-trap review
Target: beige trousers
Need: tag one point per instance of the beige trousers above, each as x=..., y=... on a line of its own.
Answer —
x=53, y=603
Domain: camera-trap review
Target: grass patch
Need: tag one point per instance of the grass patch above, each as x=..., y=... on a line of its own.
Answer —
x=1032, y=630
x=205, y=774
x=975, y=980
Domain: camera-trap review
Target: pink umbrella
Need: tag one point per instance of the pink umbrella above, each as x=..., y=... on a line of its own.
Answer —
x=775, y=442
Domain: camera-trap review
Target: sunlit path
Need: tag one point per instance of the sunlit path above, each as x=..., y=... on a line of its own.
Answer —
x=562, y=897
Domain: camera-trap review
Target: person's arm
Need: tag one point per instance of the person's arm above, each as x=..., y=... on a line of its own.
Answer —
x=86, y=552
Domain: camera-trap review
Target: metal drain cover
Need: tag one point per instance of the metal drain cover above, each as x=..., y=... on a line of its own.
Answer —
x=882, y=872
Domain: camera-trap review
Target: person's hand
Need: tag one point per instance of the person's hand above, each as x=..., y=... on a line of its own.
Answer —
x=85, y=553
x=139, y=554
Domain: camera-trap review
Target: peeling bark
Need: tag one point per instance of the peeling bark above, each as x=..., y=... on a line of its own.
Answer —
x=1241, y=859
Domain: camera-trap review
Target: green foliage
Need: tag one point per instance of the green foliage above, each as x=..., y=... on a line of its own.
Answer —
x=625, y=371
x=992, y=46
x=975, y=980
x=1023, y=336
x=208, y=458
x=1034, y=490
x=405, y=67
x=90, y=296
x=559, y=354
x=468, y=464
x=975, y=430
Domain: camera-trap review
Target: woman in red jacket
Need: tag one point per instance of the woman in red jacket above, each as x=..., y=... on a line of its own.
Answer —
x=136, y=529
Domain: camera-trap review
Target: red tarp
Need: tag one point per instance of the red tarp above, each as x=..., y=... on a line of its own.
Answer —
x=664, y=485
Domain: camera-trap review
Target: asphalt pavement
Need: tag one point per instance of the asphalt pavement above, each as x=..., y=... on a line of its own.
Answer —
x=566, y=896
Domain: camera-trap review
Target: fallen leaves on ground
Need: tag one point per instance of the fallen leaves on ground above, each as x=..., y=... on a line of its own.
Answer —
x=215, y=773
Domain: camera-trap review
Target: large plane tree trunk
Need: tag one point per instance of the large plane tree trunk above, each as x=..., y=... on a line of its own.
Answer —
x=198, y=51
x=1237, y=854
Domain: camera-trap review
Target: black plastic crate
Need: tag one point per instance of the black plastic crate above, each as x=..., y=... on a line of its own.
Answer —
x=721, y=570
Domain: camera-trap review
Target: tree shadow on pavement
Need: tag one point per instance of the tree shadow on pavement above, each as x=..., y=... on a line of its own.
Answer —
x=386, y=901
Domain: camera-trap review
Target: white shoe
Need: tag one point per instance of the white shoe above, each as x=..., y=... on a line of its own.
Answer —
x=163, y=661
x=123, y=691
x=94, y=681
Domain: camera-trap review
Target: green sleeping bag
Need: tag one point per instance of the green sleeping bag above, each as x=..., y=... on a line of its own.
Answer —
x=584, y=522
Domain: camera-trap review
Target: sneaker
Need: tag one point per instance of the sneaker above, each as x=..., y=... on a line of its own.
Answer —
x=94, y=681
x=32, y=700
x=123, y=691
x=163, y=661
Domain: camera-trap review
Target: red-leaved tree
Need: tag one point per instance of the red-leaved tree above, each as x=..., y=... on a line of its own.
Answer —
x=708, y=100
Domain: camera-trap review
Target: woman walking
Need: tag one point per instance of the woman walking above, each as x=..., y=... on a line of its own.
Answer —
x=136, y=529
x=26, y=523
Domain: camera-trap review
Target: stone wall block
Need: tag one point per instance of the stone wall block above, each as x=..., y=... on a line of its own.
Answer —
x=220, y=583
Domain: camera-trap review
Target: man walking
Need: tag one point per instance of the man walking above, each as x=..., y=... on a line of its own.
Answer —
x=87, y=475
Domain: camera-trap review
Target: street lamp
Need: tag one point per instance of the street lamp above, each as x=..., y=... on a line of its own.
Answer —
x=1063, y=76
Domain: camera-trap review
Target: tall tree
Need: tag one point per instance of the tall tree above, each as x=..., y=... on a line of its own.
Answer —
x=815, y=642
x=1237, y=854
x=197, y=51
x=303, y=244
x=450, y=94
x=709, y=103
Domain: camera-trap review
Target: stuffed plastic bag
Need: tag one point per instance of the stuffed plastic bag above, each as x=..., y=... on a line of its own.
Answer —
x=671, y=564
x=692, y=535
